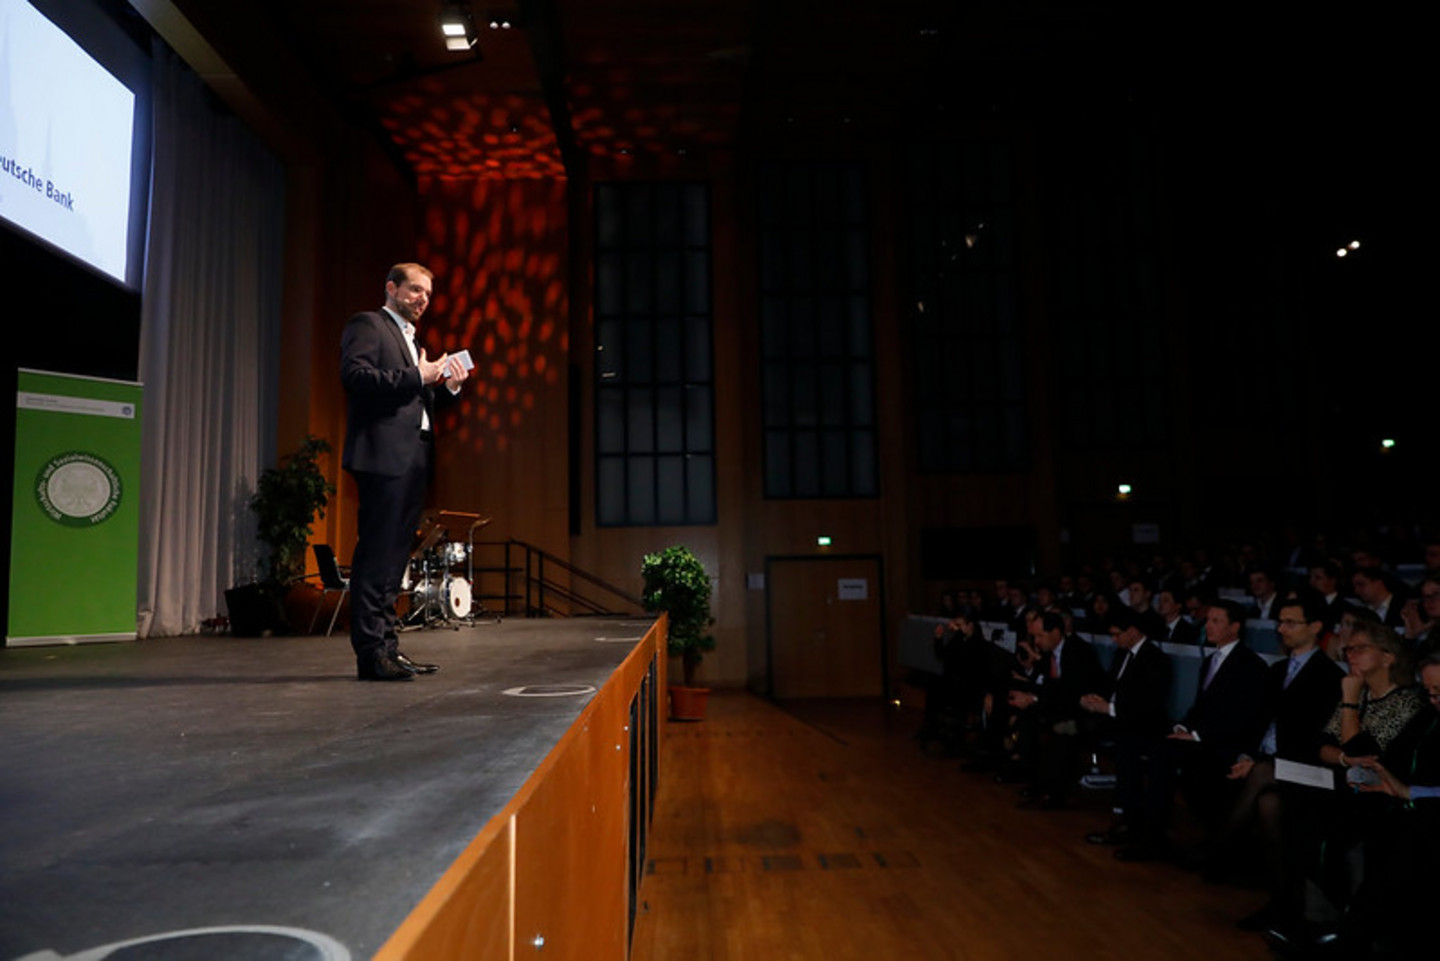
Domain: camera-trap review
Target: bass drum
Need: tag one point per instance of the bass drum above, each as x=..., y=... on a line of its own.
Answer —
x=456, y=595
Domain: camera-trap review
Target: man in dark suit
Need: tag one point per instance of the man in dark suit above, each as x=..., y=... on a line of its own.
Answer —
x=1226, y=718
x=1325, y=578
x=390, y=384
x=1151, y=624
x=1139, y=694
x=1049, y=715
x=1375, y=591
x=1176, y=629
x=1300, y=694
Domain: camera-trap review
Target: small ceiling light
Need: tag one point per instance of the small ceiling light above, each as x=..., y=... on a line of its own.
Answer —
x=1388, y=444
x=1341, y=252
x=1354, y=245
x=823, y=540
x=1123, y=492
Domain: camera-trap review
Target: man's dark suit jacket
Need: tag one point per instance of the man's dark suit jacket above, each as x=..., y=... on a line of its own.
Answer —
x=385, y=396
x=1229, y=715
x=1301, y=710
x=1142, y=694
x=1080, y=674
x=1182, y=633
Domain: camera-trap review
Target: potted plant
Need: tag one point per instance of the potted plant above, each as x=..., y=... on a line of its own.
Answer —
x=676, y=583
x=287, y=500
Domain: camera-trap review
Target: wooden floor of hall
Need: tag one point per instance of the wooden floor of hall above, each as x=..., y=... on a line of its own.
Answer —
x=819, y=830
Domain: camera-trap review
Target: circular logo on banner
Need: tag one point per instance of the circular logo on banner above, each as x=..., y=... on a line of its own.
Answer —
x=78, y=489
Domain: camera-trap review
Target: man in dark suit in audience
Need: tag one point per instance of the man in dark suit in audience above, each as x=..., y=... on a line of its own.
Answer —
x=1226, y=718
x=1375, y=591
x=1137, y=704
x=1325, y=578
x=1299, y=696
x=1176, y=629
x=1152, y=625
x=1265, y=605
x=1049, y=716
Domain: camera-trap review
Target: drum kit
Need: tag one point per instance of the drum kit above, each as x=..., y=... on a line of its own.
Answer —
x=438, y=578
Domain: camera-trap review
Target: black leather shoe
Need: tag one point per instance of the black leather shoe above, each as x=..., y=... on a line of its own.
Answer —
x=413, y=667
x=382, y=669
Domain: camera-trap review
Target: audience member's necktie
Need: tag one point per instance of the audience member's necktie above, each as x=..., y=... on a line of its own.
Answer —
x=1054, y=665
x=1212, y=665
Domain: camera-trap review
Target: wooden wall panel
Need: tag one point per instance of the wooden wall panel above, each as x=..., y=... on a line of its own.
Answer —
x=551, y=864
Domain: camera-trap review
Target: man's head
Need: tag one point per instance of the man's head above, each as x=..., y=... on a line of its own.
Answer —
x=1223, y=621
x=1123, y=629
x=1430, y=679
x=1370, y=586
x=1430, y=598
x=1048, y=630
x=1139, y=596
x=1262, y=584
x=1301, y=622
x=407, y=290
x=1166, y=605
x=1325, y=577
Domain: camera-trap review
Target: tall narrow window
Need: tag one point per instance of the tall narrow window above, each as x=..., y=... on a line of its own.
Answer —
x=817, y=353
x=654, y=385
x=969, y=382
x=1106, y=299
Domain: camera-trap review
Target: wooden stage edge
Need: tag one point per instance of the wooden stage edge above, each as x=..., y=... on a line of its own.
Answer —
x=558, y=867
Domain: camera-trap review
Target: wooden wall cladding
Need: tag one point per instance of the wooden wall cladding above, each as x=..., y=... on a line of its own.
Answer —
x=553, y=864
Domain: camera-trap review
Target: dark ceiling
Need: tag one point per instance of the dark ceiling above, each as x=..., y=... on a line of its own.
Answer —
x=648, y=79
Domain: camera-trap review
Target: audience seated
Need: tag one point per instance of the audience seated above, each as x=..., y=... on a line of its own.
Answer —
x=1340, y=694
x=1421, y=616
x=1134, y=702
x=1320, y=827
x=1049, y=716
x=1175, y=627
x=1225, y=721
x=1264, y=594
x=1299, y=696
x=1151, y=624
x=1376, y=592
x=1325, y=579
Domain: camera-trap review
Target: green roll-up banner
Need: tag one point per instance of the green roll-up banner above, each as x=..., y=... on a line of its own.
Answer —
x=75, y=539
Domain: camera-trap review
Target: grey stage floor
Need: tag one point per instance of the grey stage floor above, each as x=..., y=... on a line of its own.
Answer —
x=183, y=783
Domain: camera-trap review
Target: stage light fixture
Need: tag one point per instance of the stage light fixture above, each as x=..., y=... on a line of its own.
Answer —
x=457, y=27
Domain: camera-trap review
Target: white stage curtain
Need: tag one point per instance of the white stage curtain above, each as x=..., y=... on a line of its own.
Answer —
x=209, y=348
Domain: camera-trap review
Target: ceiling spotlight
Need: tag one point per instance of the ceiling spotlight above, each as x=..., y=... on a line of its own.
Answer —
x=457, y=27
x=499, y=22
x=1342, y=252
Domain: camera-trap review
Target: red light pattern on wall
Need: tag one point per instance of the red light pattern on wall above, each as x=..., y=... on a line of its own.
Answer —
x=474, y=136
x=498, y=250
x=615, y=119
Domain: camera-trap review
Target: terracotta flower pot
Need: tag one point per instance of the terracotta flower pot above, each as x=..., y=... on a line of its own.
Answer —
x=688, y=703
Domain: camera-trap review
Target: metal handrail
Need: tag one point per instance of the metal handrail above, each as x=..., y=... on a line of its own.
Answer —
x=537, y=585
